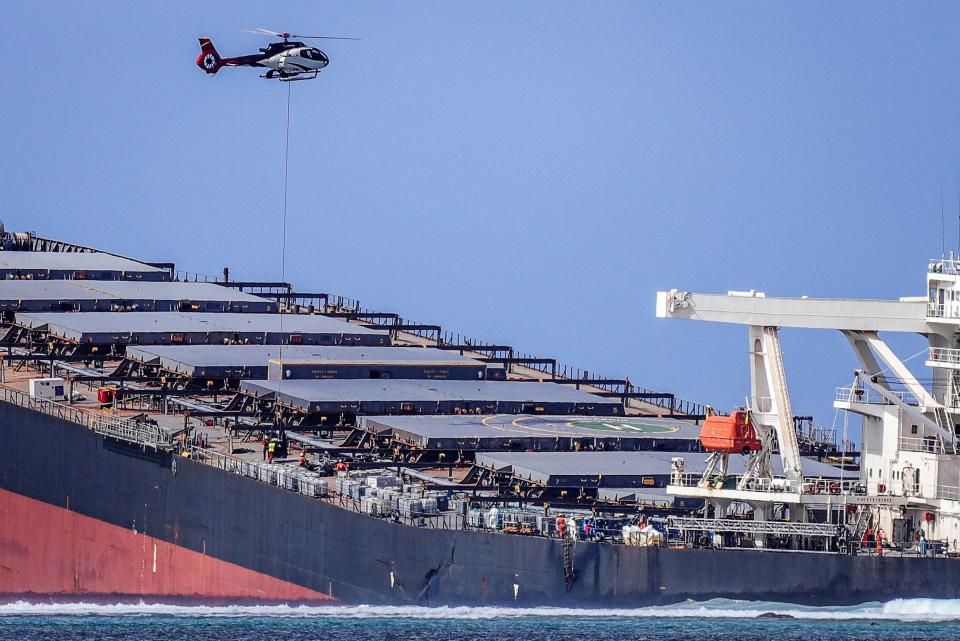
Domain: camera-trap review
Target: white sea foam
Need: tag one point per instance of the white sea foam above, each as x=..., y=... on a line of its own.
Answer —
x=934, y=610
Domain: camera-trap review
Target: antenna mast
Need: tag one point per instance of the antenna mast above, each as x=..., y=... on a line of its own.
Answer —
x=943, y=241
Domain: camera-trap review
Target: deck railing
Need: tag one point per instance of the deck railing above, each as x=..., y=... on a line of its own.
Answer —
x=856, y=394
x=268, y=473
x=809, y=485
x=935, y=310
x=948, y=355
x=932, y=444
x=948, y=492
x=123, y=429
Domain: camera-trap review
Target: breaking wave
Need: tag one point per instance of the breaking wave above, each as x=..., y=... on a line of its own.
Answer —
x=913, y=610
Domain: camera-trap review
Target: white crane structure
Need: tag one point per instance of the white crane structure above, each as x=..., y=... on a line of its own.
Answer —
x=909, y=478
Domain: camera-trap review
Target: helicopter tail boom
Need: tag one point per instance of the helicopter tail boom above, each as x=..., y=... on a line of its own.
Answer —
x=209, y=59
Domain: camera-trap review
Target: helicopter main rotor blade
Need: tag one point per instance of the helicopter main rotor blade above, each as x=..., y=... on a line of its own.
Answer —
x=261, y=31
x=297, y=35
x=284, y=34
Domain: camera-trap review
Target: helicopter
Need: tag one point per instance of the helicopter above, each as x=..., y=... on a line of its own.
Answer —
x=285, y=60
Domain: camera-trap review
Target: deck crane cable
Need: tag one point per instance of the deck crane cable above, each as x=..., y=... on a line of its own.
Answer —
x=885, y=370
x=943, y=226
x=836, y=413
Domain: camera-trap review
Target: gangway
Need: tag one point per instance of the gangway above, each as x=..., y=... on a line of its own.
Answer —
x=744, y=526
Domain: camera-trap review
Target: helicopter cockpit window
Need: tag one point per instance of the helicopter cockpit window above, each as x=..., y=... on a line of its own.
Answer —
x=306, y=53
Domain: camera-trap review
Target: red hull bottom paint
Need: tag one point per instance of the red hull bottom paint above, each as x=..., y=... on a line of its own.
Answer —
x=51, y=552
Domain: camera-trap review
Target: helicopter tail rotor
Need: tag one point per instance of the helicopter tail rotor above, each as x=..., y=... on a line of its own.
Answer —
x=209, y=59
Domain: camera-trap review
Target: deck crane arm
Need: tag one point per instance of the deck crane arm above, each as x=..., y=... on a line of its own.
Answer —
x=770, y=397
x=782, y=408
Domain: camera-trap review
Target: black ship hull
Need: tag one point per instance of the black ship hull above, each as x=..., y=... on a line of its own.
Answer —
x=82, y=516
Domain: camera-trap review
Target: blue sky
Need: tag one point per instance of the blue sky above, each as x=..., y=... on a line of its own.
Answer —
x=528, y=173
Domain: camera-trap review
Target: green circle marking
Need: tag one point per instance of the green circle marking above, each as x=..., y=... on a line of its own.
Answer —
x=624, y=426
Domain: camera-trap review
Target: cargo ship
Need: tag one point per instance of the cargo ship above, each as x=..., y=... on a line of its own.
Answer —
x=170, y=437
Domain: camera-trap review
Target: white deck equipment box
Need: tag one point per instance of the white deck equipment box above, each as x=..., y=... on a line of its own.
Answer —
x=52, y=389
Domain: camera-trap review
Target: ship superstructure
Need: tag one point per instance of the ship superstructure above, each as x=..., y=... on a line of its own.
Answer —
x=908, y=483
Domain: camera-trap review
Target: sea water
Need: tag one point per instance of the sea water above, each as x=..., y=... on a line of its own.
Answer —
x=718, y=619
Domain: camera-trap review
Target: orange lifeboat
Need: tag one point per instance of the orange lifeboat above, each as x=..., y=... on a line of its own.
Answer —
x=732, y=434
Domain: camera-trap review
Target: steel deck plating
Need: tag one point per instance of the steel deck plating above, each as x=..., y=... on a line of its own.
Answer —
x=80, y=265
x=111, y=295
x=152, y=328
x=430, y=397
x=536, y=432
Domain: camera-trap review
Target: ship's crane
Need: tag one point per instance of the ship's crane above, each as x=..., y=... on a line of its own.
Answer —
x=768, y=417
x=909, y=433
x=768, y=408
x=769, y=403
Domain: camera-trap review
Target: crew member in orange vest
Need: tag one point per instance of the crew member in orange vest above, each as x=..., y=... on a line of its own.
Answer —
x=562, y=526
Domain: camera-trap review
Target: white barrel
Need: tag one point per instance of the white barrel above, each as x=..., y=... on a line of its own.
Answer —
x=268, y=474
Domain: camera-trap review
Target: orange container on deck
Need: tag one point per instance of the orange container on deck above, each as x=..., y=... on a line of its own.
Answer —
x=732, y=434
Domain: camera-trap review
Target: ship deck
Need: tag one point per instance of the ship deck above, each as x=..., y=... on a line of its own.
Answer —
x=216, y=370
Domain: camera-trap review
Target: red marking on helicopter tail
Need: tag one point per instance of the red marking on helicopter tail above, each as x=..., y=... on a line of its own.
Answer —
x=209, y=59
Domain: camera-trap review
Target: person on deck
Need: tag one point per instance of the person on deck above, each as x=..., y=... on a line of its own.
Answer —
x=271, y=450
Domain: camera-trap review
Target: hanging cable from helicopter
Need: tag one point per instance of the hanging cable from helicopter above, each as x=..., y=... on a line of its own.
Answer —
x=287, y=60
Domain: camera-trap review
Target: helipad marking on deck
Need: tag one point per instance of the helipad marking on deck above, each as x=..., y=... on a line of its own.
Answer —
x=632, y=426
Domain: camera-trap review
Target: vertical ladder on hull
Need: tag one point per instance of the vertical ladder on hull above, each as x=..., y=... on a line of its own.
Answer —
x=569, y=574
